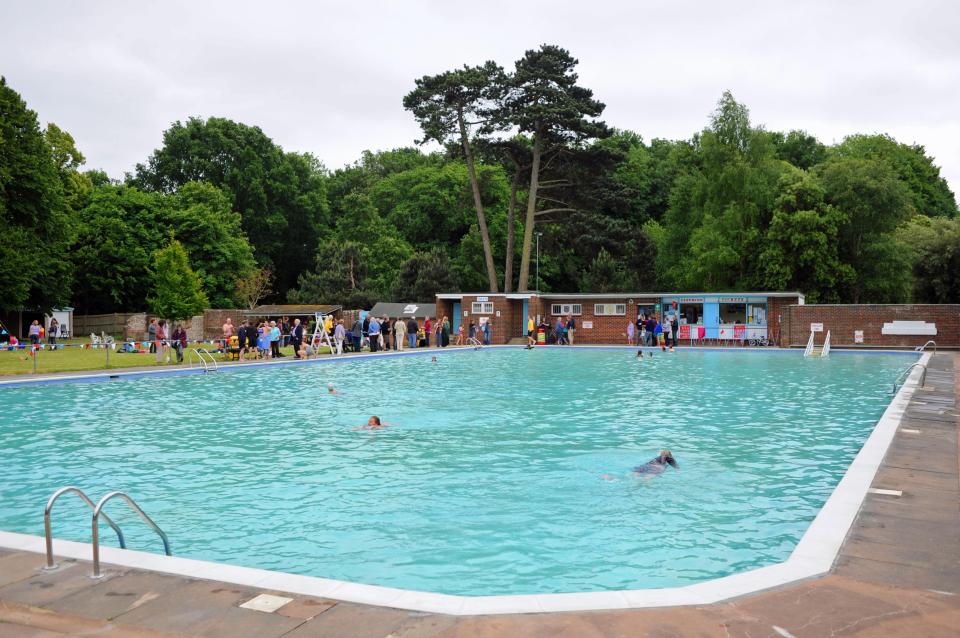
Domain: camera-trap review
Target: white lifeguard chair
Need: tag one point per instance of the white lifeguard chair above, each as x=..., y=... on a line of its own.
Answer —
x=320, y=332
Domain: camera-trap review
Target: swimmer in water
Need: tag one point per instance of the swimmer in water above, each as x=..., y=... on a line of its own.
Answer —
x=651, y=468
x=373, y=423
x=658, y=465
x=433, y=359
x=331, y=389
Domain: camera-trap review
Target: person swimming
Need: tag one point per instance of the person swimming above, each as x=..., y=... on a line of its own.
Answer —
x=658, y=465
x=373, y=423
x=331, y=389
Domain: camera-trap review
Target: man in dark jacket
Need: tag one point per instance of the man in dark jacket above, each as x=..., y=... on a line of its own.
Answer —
x=412, y=328
x=297, y=337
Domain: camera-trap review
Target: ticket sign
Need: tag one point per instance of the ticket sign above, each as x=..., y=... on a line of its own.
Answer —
x=685, y=331
x=858, y=336
x=816, y=327
x=587, y=325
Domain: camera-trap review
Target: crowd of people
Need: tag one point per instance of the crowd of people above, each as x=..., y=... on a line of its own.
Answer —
x=652, y=330
x=265, y=339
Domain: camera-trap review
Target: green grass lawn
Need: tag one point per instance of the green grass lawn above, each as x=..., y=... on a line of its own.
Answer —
x=77, y=359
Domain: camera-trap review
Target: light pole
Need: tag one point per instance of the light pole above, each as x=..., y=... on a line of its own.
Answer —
x=538, y=261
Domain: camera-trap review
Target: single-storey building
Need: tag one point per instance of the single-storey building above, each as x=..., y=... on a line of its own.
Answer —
x=603, y=317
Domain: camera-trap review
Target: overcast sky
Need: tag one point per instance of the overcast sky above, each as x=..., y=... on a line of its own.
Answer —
x=329, y=77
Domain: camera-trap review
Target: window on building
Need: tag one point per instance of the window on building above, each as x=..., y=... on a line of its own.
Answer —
x=690, y=313
x=561, y=309
x=757, y=314
x=733, y=313
x=483, y=307
x=602, y=309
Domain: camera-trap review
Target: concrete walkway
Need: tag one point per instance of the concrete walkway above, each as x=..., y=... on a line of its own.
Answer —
x=898, y=574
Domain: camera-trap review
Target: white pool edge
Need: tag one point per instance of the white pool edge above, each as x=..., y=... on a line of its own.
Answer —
x=814, y=555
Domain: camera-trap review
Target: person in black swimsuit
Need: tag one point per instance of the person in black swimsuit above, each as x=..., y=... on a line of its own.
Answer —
x=658, y=465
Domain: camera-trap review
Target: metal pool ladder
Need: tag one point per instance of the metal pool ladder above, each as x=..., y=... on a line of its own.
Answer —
x=96, y=532
x=48, y=535
x=900, y=377
x=924, y=347
x=207, y=359
x=97, y=512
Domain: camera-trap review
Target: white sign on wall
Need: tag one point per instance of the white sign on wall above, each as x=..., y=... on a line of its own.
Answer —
x=466, y=313
x=588, y=325
x=816, y=327
x=858, y=336
x=498, y=313
x=483, y=299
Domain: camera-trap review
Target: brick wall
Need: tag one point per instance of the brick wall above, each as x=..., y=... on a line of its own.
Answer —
x=504, y=327
x=606, y=329
x=213, y=320
x=843, y=320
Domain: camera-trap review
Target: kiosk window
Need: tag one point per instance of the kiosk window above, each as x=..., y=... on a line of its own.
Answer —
x=483, y=307
x=690, y=312
x=733, y=313
x=757, y=314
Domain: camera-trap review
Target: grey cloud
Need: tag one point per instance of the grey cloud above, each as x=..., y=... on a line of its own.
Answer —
x=329, y=77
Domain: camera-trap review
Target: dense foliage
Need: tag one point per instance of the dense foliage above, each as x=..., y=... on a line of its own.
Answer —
x=531, y=190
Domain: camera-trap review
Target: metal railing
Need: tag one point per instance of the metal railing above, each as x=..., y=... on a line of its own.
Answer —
x=900, y=377
x=826, y=346
x=809, y=349
x=924, y=347
x=204, y=356
x=96, y=531
x=48, y=535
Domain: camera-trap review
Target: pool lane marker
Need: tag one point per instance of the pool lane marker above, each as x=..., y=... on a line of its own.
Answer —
x=874, y=490
x=266, y=602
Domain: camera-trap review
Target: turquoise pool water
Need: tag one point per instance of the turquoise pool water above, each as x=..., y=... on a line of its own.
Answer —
x=488, y=480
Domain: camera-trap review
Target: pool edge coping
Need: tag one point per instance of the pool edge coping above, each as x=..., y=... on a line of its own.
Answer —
x=81, y=376
x=814, y=555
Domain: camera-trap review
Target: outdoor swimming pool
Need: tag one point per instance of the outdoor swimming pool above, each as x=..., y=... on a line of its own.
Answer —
x=487, y=482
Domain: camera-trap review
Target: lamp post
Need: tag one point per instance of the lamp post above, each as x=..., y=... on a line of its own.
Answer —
x=538, y=261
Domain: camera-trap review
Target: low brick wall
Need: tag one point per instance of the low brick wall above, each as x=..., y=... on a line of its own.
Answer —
x=843, y=320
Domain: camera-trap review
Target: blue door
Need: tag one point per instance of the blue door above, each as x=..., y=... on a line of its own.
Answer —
x=456, y=316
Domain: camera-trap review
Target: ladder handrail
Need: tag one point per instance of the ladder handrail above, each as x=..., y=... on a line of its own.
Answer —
x=923, y=377
x=204, y=351
x=924, y=347
x=48, y=534
x=826, y=346
x=194, y=351
x=200, y=352
x=809, y=348
x=136, y=508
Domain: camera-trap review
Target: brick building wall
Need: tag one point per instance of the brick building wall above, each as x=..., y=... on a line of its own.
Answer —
x=603, y=329
x=843, y=320
x=505, y=319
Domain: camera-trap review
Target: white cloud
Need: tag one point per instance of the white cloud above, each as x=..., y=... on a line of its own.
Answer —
x=329, y=77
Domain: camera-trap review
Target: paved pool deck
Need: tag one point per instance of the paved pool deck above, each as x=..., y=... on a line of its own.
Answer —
x=897, y=574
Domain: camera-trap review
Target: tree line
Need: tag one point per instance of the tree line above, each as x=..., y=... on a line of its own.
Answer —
x=220, y=215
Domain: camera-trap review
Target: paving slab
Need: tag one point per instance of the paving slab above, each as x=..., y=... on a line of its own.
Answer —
x=43, y=588
x=905, y=576
x=12, y=630
x=892, y=530
x=945, y=559
x=356, y=621
x=306, y=608
x=20, y=565
x=117, y=595
x=903, y=478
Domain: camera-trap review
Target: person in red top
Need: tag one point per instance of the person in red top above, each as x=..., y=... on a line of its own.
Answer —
x=426, y=330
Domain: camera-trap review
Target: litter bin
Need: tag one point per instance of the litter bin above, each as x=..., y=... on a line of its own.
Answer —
x=541, y=336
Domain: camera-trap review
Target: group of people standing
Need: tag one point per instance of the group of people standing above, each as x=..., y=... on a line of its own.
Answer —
x=384, y=333
x=652, y=330
x=161, y=340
